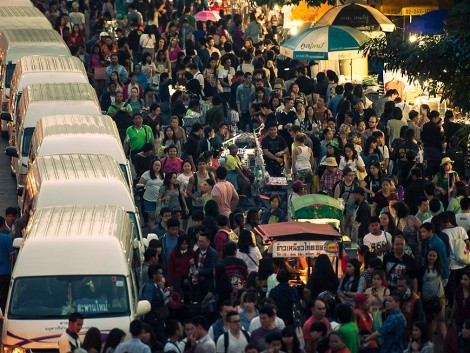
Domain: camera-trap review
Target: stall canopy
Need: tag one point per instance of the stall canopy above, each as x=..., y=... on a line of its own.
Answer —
x=314, y=206
x=304, y=13
x=293, y=239
x=429, y=24
x=408, y=7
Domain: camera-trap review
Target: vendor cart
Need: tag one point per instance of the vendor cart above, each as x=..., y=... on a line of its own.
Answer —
x=302, y=239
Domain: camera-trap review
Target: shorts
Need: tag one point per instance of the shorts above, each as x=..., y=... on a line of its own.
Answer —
x=150, y=206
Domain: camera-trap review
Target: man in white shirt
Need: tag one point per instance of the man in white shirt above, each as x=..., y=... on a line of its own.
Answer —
x=69, y=340
x=377, y=240
x=463, y=218
x=204, y=343
x=175, y=332
x=235, y=339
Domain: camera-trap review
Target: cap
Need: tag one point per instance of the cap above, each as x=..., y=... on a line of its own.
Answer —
x=277, y=86
x=360, y=298
x=358, y=190
x=347, y=170
x=446, y=160
x=104, y=34
x=297, y=185
x=329, y=162
x=333, y=143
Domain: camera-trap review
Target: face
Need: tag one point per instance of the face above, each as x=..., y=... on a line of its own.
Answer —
x=114, y=59
x=272, y=131
x=390, y=303
x=157, y=166
x=233, y=150
x=399, y=245
x=248, y=305
x=350, y=269
x=320, y=103
x=201, y=166
x=425, y=234
x=349, y=178
x=372, y=122
x=330, y=150
x=288, y=340
x=275, y=346
x=169, y=132
x=76, y=326
x=376, y=281
x=203, y=242
x=401, y=287
x=172, y=152
x=174, y=123
x=173, y=231
x=145, y=336
x=374, y=228
x=361, y=126
x=319, y=310
x=10, y=219
x=295, y=89
x=465, y=281
x=235, y=323
x=432, y=256
x=265, y=320
x=189, y=329
x=186, y=167
x=138, y=120
x=448, y=167
x=329, y=135
x=274, y=203
x=134, y=92
x=335, y=342
x=348, y=152
x=424, y=206
x=385, y=186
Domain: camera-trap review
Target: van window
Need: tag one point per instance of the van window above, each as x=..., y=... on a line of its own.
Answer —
x=124, y=173
x=134, y=223
x=27, y=137
x=10, y=69
x=59, y=296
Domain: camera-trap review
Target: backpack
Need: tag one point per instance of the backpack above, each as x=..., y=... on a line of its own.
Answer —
x=246, y=334
x=209, y=175
x=346, y=195
x=231, y=235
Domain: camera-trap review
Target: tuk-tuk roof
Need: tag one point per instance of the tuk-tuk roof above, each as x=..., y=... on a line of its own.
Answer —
x=294, y=228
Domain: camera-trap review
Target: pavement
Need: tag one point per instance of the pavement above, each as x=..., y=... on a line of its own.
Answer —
x=7, y=181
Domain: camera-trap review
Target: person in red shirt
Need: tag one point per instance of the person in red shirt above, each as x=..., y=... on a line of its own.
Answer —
x=336, y=343
x=318, y=315
x=364, y=319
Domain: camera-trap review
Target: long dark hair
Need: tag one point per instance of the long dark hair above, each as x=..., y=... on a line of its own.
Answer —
x=323, y=277
x=166, y=138
x=350, y=145
x=250, y=217
x=182, y=239
x=245, y=241
x=167, y=181
x=92, y=339
x=357, y=275
x=152, y=172
x=114, y=338
x=369, y=141
x=265, y=269
x=437, y=265
x=289, y=331
x=423, y=327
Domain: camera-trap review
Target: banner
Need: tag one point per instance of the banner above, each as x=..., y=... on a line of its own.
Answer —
x=305, y=248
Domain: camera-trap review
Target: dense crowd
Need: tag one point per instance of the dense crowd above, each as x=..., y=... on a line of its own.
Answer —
x=177, y=89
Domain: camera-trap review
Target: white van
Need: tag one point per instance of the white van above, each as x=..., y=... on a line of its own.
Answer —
x=44, y=69
x=22, y=17
x=79, y=180
x=13, y=3
x=73, y=259
x=82, y=134
x=16, y=43
x=40, y=100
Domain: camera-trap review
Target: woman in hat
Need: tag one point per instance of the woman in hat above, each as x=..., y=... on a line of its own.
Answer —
x=445, y=179
x=331, y=175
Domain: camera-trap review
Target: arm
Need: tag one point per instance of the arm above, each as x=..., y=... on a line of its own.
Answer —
x=372, y=209
x=336, y=192
x=235, y=199
x=294, y=159
x=272, y=156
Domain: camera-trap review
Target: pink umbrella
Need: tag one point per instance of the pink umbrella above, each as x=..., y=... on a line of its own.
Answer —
x=207, y=16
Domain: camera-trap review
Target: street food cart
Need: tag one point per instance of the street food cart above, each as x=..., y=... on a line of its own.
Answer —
x=302, y=239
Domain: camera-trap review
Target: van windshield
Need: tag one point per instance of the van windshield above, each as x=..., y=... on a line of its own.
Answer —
x=27, y=137
x=59, y=296
x=10, y=69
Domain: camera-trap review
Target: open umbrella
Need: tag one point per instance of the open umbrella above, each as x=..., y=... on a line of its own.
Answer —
x=429, y=24
x=325, y=43
x=316, y=206
x=360, y=17
x=207, y=16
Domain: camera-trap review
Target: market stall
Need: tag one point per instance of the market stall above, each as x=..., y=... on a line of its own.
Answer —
x=293, y=240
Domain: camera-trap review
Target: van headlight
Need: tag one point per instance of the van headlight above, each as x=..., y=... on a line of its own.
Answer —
x=14, y=349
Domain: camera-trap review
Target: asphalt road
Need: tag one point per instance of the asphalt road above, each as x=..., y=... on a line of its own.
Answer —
x=7, y=182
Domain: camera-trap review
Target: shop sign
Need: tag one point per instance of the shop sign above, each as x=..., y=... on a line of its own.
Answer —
x=304, y=248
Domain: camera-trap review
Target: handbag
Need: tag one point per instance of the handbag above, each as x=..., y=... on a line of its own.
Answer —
x=249, y=174
x=431, y=304
x=461, y=253
x=175, y=301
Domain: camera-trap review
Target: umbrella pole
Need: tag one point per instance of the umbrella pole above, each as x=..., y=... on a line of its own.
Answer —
x=350, y=64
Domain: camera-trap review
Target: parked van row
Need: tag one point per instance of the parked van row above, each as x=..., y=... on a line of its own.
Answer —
x=82, y=249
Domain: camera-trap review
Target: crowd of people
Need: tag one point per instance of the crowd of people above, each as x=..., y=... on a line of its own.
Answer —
x=177, y=89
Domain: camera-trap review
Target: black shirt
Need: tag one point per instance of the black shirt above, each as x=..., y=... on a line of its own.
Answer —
x=431, y=135
x=273, y=145
x=395, y=268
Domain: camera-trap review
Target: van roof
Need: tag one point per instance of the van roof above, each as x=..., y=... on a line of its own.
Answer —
x=16, y=3
x=79, y=179
x=54, y=63
x=37, y=92
x=90, y=134
x=67, y=236
x=19, y=11
x=80, y=221
x=30, y=36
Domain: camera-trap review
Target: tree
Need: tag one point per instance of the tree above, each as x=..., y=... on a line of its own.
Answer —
x=444, y=62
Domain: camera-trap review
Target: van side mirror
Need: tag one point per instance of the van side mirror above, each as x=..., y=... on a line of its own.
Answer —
x=6, y=116
x=136, y=243
x=20, y=191
x=143, y=307
x=17, y=243
x=11, y=151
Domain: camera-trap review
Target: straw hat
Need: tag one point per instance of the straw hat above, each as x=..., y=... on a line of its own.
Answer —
x=446, y=160
x=329, y=162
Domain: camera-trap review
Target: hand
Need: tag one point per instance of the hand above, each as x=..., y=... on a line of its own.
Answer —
x=279, y=154
x=415, y=346
x=279, y=160
x=186, y=211
x=191, y=261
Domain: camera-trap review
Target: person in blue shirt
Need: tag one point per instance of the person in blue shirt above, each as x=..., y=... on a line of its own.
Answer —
x=431, y=241
x=393, y=327
x=7, y=255
x=333, y=104
x=134, y=345
x=169, y=240
x=274, y=214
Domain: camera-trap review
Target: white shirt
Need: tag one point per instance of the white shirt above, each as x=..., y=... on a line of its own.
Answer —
x=463, y=220
x=235, y=345
x=256, y=323
x=351, y=164
x=377, y=242
x=454, y=234
x=251, y=259
x=171, y=346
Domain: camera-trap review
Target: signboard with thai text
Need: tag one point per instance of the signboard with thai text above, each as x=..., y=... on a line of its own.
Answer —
x=304, y=248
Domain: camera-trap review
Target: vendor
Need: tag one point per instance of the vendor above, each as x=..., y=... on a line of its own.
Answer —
x=235, y=173
x=275, y=151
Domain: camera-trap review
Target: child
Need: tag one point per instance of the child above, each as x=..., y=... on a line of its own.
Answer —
x=206, y=190
x=274, y=342
x=336, y=343
x=197, y=217
x=363, y=316
x=274, y=214
x=224, y=235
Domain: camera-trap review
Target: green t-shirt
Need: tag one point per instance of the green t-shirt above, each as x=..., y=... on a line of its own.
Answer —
x=137, y=138
x=231, y=162
x=350, y=334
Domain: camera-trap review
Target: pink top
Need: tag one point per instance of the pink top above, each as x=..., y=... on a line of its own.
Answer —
x=172, y=165
x=225, y=191
x=173, y=53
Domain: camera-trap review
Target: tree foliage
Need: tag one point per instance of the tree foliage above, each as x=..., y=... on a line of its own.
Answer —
x=442, y=61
